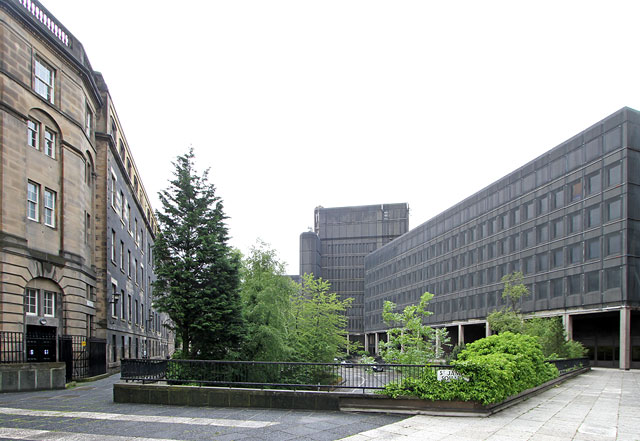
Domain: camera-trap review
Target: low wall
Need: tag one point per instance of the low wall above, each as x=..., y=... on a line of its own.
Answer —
x=32, y=376
x=310, y=400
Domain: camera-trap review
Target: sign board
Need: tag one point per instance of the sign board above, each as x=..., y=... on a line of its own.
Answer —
x=84, y=343
x=448, y=375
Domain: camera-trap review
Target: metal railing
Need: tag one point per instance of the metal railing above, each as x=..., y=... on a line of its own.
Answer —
x=287, y=375
x=569, y=364
x=12, y=347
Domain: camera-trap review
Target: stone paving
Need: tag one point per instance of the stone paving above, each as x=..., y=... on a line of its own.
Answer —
x=87, y=412
x=600, y=405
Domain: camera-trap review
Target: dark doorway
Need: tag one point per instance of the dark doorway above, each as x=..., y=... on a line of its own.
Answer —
x=41, y=343
x=600, y=334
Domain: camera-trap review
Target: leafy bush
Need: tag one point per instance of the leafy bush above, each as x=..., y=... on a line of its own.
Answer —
x=492, y=369
x=553, y=338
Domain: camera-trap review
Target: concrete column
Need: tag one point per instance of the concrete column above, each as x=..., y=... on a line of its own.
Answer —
x=377, y=341
x=487, y=329
x=366, y=342
x=567, y=321
x=625, y=338
x=460, y=334
x=349, y=340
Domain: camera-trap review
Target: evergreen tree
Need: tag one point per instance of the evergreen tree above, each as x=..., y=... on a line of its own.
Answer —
x=197, y=272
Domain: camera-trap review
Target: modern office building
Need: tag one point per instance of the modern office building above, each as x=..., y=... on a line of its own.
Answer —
x=569, y=220
x=68, y=186
x=341, y=239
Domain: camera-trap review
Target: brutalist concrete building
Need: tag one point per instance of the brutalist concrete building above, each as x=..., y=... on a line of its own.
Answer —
x=337, y=247
x=569, y=220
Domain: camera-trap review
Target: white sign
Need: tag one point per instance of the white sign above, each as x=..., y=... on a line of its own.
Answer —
x=449, y=374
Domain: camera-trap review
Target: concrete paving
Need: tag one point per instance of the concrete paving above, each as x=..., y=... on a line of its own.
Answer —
x=600, y=405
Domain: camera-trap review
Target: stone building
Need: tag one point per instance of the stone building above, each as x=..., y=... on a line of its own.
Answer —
x=62, y=147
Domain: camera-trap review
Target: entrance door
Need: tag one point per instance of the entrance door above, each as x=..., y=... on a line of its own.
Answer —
x=41, y=343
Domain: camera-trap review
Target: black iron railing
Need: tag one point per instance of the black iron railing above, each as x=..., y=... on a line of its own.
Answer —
x=83, y=356
x=12, y=347
x=287, y=375
x=569, y=364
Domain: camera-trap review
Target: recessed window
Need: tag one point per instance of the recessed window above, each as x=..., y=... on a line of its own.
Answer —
x=558, y=198
x=33, y=201
x=44, y=80
x=612, y=278
x=50, y=143
x=592, y=280
x=593, y=248
x=557, y=228
x=528, y=265
x=31, y=301
x=575, y=191
x=543, y=204
x=574, y=253
x=556, y=287
x=113, y=246
x=88, y=121
x=573, y=283
x=614, y=244
x=49, y=304
x=614, y=174
x=542, y=291
x=49, y=208
x=542, y=231
x=575, y=222
x=613, y=209
x=592, y=216
x=542, y=262
x=557, y=258
x=33, y=134
x=594, y=183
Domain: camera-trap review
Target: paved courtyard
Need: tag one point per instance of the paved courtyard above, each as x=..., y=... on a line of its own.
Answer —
x=601, y=405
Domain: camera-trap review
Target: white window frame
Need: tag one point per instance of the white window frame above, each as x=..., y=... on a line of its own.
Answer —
x=49, y=208
x=49, y=143
x=33, y=134
x=114, y=191
x=33, y=201
x=45, y=87
x=28, y=303
x=113, y=246
x=114, y=302
x=49, y=304
x=88, y=121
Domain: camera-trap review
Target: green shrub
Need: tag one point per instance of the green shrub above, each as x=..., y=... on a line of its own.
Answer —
x=493, y=369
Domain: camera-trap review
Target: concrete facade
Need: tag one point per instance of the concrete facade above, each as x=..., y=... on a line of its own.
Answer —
x=337, y=247
x=60, y=137
x=569, y=220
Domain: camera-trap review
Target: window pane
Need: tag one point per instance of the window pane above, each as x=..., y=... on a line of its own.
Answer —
x=574, y=284
x=594, y=183
x=33, y=198
x=593, y=281
x=50, y=143
x=614, y=244
x=612, y=278
x=31, y=301
x=593, y=248
x=593, y=216
x=614, y=209
x=614, y=174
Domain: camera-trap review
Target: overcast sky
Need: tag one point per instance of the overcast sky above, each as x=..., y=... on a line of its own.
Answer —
x=295, y=104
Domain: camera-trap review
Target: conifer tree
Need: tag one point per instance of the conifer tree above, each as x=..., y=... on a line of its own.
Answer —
x=197, y=272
